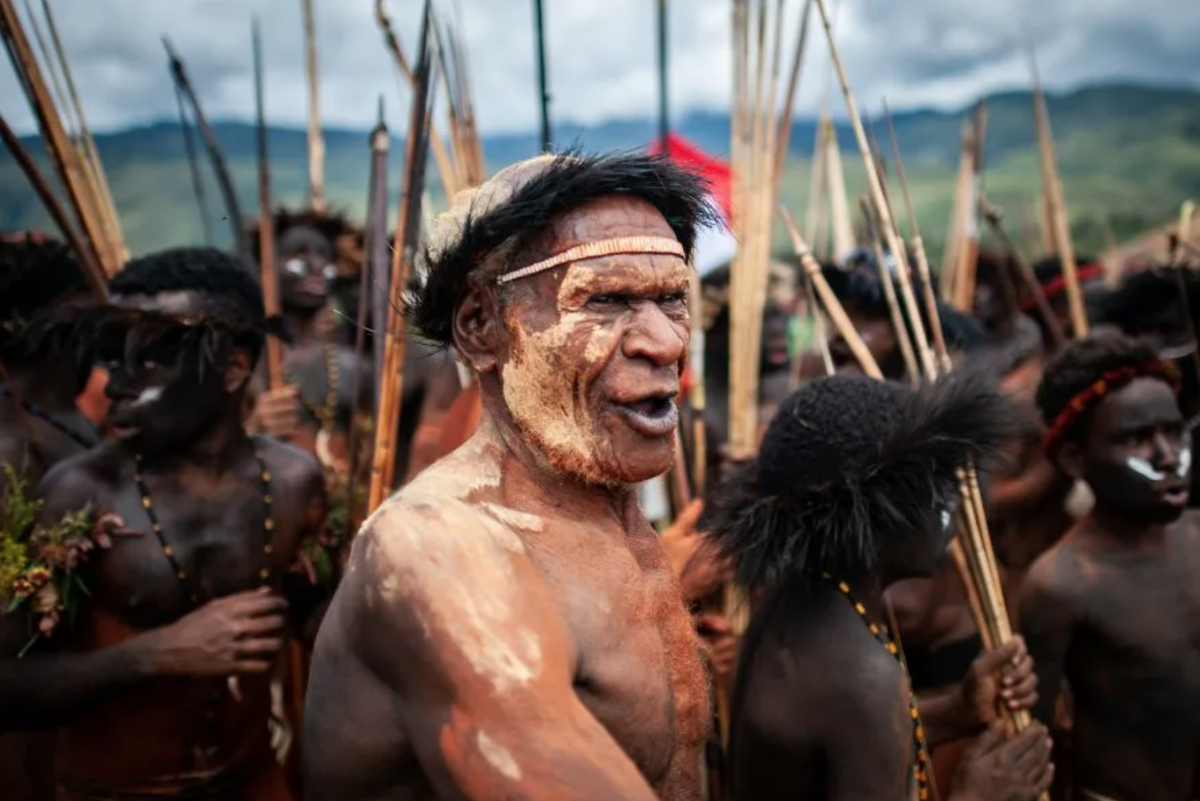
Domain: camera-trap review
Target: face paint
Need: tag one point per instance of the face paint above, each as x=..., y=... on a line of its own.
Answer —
x=591, y=409
x=147, y=396
x=1146, y=470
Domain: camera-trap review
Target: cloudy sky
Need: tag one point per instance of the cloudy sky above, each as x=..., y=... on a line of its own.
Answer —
x=601, y=54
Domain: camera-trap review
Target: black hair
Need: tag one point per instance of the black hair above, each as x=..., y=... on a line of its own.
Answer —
x=36, y=274
x=1149, y=302
x=496, y=228
x=863, y=291
x=332, y=224
x=1050, y=268
x=232, y=296
x=850, y=463
x=1079, y=365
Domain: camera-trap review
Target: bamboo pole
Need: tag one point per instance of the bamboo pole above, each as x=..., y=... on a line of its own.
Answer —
x=266, y=226
x=839, y=204
x=316, y=138
x=816, y=189
x=1056, y=205
x=62, y=155
x=785, y=120
x=889, y=293
x=403, y=253
x=92, y=271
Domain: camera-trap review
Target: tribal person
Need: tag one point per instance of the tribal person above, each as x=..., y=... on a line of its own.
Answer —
x=40, y=352
x=158, y=679
x=44, y=370
x=1049, y=275
x=854, y=489
x=509, y=626
x=1112, y=609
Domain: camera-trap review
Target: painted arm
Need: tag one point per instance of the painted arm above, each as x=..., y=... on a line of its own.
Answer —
x=479, y=663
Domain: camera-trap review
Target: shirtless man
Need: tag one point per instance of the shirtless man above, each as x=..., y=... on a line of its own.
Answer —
x=160, y=685
x=853, y=490
x=509, y=626
x=1113, y=609
x=40, y=425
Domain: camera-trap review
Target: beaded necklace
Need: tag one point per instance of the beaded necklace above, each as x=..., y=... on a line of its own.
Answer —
x=264, y=573
x=51, y=420
x=880, y=632
x=325, y=416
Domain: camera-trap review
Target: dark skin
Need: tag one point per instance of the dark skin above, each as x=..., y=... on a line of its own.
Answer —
x=1113, y=609
x=855, y=738
x=132, y=682
x=879, y=337
x=509, y=626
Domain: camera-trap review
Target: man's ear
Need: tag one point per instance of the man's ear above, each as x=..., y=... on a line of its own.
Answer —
x=1070, y=460
x=478, y=328
x=239, y=371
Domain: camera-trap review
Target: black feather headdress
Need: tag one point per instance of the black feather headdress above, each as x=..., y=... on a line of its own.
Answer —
x=851, y=465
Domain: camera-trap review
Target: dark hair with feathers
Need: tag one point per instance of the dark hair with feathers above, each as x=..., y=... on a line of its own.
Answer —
x=506, y=216
x=851, y=466
x=1079, y=365
x=36, y=275
x=232, y=295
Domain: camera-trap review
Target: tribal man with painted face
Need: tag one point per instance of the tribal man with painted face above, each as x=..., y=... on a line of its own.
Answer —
x=854, y=490
x=509, y=626
x=158, y=680
x=1113, y=609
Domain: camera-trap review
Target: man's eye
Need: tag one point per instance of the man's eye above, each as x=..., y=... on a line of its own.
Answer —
x=608, y=300
x=149, y=364
x=673, y=299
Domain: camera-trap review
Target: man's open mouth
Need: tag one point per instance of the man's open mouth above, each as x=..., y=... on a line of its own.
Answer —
x=651, y=415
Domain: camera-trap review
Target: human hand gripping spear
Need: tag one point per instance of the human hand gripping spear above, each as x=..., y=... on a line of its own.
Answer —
x=979, y=548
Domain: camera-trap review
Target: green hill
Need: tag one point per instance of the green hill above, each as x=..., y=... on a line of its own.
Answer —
x=1129, y=155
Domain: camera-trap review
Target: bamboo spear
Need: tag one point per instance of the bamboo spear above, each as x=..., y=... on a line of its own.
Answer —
x=216, y=155
x=189, y=147
x=62, y=155
x=92, y=271
x=839, y=204
x=92, y=156
x=889, y=292
x=316, y=139
x=407, y=236
x=1057, y=205
x=968, y=248
x=991, y=597
x=266, y=222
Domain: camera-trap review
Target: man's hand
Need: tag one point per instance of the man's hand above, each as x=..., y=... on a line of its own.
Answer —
x=1003, y=675
x=236, y=634
x=999, y=769
x=720, y=643
x=277, y=412
x=693, y=559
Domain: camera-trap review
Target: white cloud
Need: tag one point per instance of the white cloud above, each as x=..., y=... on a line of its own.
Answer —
x=601, y=54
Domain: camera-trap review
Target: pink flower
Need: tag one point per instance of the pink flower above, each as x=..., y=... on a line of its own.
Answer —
x=46, y=600
x=48, y=623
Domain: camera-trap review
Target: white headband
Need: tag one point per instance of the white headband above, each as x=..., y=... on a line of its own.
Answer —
x=657, y=245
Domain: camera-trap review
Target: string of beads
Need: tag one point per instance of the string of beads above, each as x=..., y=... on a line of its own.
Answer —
x=880, y=632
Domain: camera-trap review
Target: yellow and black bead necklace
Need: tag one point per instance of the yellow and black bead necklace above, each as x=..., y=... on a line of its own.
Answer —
x=264, y=573
x=880, y=632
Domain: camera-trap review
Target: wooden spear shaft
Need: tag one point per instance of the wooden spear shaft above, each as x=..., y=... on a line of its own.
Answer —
x=92, y=270
x=316, y=138
x=266, y=226
x=889, y=293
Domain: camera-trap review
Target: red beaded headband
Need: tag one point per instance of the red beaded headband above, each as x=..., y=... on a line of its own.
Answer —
x=1054, y=286
x=1110, y=382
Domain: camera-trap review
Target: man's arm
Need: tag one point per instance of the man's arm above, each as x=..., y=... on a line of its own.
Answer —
x=1046, y=616
x=448, y=612
x=47, y=687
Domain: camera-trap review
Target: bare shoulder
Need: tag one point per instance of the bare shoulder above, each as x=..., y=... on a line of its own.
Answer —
x=453, y=582
x=82, y=479
x=1057, y=574
x=293, y=469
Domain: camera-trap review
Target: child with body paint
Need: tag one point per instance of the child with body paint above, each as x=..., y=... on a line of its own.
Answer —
x=1112, y=608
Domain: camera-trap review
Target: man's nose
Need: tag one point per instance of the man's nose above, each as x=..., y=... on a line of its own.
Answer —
x=1166, y=452
x=655, y=336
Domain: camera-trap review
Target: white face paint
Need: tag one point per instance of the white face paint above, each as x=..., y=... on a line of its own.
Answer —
x=148, y=395
x=947, y=519
x=1147, y=471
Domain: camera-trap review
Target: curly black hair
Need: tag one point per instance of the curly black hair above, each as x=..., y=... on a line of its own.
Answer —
x=862, y=290
x=1079, y=365
x=1148, y=303
x=36, y=274
x=231, y=293
x=849, y=464
x=488, y=229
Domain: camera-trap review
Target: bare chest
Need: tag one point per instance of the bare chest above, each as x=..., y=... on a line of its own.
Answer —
x=637, y=658
x=1140, y=619
x=189, y=545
